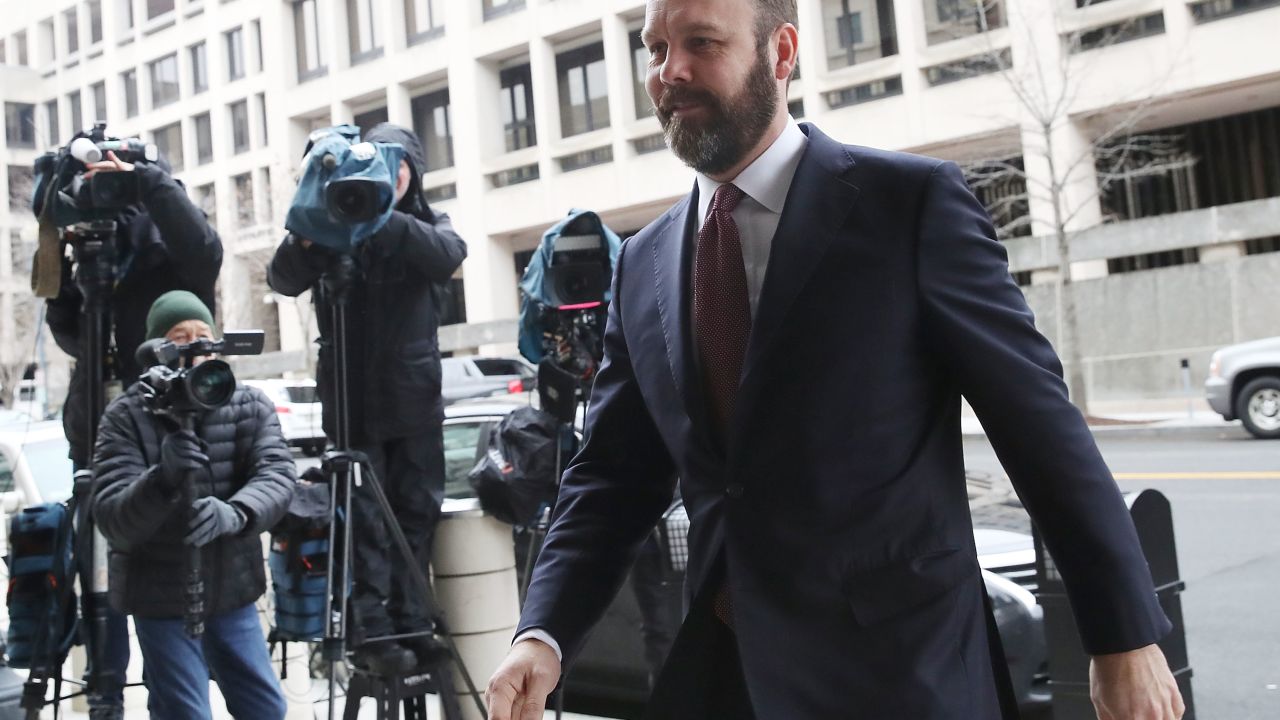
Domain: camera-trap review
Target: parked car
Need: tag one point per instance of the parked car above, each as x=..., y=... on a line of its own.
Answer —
x=298, y=407
x=1244, y=383
x=473, y=376
x=612, y=664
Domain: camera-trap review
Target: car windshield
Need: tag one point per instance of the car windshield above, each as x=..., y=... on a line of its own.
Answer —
x=302, y=394
x=461, y=443
x=50, y=468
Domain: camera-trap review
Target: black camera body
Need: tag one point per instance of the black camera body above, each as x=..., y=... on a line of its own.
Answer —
x=174, y=384
x=76, y=199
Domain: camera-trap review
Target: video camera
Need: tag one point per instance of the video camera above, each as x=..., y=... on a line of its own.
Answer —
x=347, y=189
x=74, y=198
x=173, y=384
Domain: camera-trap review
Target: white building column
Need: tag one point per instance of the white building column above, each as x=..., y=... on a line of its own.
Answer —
x=1060, y=157
x=617, y=62
x=812, y=64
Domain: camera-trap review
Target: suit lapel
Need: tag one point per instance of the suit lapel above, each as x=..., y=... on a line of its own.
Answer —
x=820, y=199
x=672, y=256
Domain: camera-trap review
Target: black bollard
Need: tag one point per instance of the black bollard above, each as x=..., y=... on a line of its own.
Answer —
x=1068, y=662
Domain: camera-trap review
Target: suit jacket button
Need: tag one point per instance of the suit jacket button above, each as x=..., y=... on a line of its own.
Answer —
x=735, y=490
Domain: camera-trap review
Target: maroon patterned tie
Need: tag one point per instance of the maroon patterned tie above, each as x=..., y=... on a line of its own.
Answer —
x=721, y=310
x=722, y=322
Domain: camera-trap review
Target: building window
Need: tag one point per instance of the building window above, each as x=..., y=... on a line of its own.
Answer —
x=129, y=79
x=73, y=30
x=267, y=205
x=1116, y=33
x=156, y=8
x=951, y=19
x=164, y=80
x=431, y=122
x=969, y=67
x=21, y=185
x=125, y=13
x=423, y=20
x=20, y=125
x=235, y=53
x=48, y=49
x=239, y=126
x=368, y=119
x=857, y=31
x=497, y=8
x=517, y=108
x=51, y=123
x=95, y=21
x=168, y=140
x=77, y=112
x=362, y=30
x=99, y=101
x=204, y=138
x=206, y=198
x=199, y=68
x=256, y=28
x=640, y=73
x=262, y=117
x=1209, y=10
x=306, y=35
x=1001, y=187
x=242, y=186
x=586, y=159
x=865, y=92
x=584, y=99
x=20, y=47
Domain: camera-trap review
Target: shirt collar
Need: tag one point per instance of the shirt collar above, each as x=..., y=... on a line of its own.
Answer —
x=768, y=178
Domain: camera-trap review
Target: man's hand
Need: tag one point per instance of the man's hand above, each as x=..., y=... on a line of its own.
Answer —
x=1134, y=685
x=111, y=164
x=212, y=518
x=181, y=453
x=519, y=687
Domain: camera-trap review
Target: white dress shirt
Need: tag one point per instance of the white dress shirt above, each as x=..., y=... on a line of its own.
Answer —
x=765, y=183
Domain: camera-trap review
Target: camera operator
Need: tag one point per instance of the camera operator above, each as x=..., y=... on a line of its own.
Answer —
x=396, y=412
x=163, y=243
x=244, y=477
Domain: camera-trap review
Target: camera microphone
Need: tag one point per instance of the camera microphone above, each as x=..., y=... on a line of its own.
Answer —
x=85, y=150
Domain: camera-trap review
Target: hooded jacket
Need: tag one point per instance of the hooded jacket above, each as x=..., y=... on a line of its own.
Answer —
x=164, y=244
x=393, y=358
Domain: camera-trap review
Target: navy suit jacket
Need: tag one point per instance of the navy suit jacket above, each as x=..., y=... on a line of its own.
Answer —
x=838, y=506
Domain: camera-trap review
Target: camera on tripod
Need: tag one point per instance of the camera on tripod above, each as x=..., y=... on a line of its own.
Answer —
x=347, y=189
x=173, y=383
x=60, y=177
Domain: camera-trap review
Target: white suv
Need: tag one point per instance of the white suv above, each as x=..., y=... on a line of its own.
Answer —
x=298, y=407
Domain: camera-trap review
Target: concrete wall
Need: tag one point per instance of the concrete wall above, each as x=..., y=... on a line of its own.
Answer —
x=1136, y=327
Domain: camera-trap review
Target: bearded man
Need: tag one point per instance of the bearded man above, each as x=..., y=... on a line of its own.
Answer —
x=792, y=341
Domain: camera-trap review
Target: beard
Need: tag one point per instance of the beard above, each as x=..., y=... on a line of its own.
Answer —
x=731, y=129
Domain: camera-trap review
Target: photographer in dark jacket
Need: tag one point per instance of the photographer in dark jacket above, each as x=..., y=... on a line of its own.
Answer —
x=396, y=412
x=163, y=243
x=244, y=479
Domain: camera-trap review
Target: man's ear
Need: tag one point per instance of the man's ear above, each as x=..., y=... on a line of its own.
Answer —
x=786, y=43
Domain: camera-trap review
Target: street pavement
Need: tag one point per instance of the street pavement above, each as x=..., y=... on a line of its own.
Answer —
x=1224, y=491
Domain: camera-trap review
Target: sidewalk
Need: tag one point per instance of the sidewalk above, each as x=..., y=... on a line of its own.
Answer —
x=1138, y=418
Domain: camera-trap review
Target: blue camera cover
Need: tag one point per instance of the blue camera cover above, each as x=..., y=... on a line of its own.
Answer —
x=309, y=216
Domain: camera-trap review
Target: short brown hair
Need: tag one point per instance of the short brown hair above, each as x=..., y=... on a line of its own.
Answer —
x=770, y=14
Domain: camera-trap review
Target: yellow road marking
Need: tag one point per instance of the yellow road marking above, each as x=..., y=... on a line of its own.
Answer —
x=1207, y=475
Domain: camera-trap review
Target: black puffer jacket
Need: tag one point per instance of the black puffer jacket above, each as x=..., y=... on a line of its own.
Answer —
x=167, y=244
x=393, y=357
x=250, y=465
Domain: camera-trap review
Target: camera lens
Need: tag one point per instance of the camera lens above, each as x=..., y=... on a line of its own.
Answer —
x=211, y=383
x=354, y=200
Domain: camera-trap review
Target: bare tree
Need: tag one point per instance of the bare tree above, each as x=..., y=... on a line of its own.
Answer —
x=19, y=352
x=1045, y=87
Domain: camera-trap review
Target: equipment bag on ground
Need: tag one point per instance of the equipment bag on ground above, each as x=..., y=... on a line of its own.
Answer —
x=299, y=562
x=41, y=597
x=516, y=478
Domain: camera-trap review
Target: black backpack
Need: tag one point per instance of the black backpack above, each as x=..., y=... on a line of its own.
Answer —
x=516, y=479
x=41, y=597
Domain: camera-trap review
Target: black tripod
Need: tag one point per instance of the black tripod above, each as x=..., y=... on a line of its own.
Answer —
x=346, y=470
x=93, y=245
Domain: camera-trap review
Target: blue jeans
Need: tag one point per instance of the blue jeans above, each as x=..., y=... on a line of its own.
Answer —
x=233, y=647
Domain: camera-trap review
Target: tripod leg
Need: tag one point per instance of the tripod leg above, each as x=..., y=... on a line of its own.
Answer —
x=449, y=703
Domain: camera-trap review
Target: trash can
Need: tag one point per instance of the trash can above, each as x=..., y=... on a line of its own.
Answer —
x=1068, y=662
x=475, y=584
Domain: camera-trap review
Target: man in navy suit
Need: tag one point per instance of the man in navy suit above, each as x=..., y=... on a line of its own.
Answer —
x=792, y=341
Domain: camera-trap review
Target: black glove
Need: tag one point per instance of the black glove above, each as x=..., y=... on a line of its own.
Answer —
x=181, y=453
x=212, y=518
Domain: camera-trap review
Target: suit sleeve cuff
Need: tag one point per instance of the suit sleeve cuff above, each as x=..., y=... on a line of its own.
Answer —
x=538, y=634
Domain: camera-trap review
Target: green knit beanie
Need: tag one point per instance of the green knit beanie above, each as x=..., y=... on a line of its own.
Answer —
x=172, y=308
